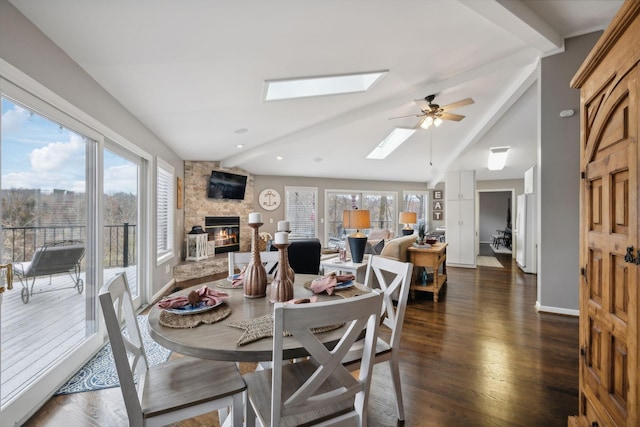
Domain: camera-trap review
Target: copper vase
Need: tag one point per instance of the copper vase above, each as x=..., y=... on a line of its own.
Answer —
x=255, y=276
x=282, y=285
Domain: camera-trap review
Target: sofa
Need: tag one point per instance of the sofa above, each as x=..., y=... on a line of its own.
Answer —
x=397, y=248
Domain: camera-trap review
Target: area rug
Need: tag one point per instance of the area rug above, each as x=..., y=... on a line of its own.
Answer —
x=500, y=250
x=488, y=261
x=100, y=372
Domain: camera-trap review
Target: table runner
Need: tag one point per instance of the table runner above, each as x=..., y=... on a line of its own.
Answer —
x=262, y=327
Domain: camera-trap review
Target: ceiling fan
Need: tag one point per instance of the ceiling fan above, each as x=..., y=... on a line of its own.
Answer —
x=434, y=114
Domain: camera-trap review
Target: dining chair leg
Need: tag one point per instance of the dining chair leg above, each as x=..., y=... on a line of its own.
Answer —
x=395, y=378
x=238, y=409
x=250, y=415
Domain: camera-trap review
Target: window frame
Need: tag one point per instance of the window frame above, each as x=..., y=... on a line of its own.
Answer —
x=421, y=216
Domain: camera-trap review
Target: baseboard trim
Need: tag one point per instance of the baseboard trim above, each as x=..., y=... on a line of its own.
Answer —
x=557, y=310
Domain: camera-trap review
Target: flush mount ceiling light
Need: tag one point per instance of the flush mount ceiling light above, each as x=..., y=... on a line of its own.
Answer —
x=497, y=158
x=319, y=86
x=390, y=143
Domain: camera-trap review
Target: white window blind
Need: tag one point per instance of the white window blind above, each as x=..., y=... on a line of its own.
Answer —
x=164, y=211
x=301, y=207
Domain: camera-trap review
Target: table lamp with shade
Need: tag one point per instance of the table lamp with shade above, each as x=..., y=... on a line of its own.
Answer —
x=407, y=218
x=356, y=219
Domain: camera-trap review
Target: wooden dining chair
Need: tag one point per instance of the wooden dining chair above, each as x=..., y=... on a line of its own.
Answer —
x=171, y=391
x=393, y=278
x=240, y=259
x=318, y=390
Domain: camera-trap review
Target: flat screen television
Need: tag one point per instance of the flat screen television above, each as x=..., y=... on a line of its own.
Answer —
x=225, y=185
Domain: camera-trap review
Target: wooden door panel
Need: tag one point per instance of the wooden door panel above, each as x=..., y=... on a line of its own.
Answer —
x=595, y=277
x=595, y=198
x=620, y=202
x=620, y=288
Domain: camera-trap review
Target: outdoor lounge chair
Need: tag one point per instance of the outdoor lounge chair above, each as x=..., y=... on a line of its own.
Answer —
x=53, y=258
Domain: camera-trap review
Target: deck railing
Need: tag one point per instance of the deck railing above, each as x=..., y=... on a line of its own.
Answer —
x=19, y=243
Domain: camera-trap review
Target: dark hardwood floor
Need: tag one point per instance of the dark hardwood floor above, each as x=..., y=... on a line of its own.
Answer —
x=481, y=356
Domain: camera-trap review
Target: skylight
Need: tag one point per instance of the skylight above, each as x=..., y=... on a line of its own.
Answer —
x=318, y=86
x=390, y=143
x=497, y=158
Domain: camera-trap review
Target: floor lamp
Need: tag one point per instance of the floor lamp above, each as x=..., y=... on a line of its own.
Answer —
x=407, y=218
x=358, y=220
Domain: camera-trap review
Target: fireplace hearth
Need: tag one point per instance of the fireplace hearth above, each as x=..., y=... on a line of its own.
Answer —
x=224, y=231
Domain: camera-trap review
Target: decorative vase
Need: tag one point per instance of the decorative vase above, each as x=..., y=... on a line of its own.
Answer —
x=282, y=285
x=255, y=275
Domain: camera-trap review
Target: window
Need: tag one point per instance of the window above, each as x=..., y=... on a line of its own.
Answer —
x=164, y=211
x=382, y=208
x=301, y=207
x=418, y=202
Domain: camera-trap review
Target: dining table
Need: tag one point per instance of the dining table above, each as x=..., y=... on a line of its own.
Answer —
x=220, y=340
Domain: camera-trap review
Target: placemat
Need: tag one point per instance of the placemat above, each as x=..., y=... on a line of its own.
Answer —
x=183, y=321
x=262, y=327
x=356, y=290
x=225, y=284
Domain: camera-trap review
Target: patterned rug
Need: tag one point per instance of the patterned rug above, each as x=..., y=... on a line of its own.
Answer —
x=488, y=261
x=100, y=372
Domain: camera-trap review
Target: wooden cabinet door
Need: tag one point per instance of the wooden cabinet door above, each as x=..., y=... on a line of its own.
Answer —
x=609, y=225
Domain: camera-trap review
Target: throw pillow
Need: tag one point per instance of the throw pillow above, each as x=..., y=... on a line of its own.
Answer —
x=374, y=249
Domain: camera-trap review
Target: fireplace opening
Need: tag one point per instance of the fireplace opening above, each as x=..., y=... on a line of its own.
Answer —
x=224, y=231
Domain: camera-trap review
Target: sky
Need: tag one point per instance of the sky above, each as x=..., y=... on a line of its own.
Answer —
x=39, y=153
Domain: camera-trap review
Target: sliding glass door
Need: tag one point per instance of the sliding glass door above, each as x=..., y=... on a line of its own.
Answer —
x=48, y=188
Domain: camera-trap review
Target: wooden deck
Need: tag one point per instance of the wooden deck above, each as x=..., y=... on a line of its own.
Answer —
x=55, y=321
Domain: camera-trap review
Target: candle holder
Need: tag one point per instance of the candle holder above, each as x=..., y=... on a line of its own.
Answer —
x=282, y=285
x=255, y=275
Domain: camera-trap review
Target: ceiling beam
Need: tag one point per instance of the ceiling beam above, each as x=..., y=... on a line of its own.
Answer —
x=515, y=17
x=493, y=113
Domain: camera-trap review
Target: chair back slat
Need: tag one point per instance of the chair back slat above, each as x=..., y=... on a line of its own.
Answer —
x=241, y=259
x=394, y=280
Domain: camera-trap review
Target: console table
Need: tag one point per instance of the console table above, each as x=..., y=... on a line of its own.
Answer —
x=433, y=258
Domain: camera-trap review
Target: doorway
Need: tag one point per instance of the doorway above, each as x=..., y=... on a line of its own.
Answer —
x=495, y=213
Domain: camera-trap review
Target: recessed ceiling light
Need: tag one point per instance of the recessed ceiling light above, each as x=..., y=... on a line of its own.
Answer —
x=390, y=143
x=241, y=130
x=317, y=159
x=240, y=146
x=279, y=157
x=318, y=86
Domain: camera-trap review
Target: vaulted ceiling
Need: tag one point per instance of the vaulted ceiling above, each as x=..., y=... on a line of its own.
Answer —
x=193, y=71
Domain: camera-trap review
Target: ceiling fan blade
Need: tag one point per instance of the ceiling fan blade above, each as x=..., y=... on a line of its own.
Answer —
x=458, y=104
x=404, y=117
x=422, y=104
x=451, y=116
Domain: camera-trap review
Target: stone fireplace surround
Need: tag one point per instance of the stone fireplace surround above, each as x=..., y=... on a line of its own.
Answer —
x=197, y=206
